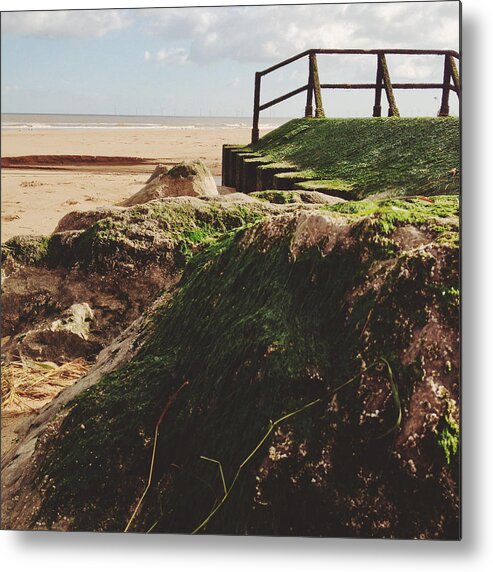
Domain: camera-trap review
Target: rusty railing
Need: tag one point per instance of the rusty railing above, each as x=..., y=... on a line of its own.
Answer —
x=450, y=82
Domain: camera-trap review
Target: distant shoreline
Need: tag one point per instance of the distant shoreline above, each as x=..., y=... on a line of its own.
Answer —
x=36, y=121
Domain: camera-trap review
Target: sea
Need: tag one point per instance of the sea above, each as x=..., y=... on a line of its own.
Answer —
x=33, y=121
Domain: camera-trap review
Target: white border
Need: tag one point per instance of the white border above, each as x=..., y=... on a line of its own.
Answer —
x=84, y=552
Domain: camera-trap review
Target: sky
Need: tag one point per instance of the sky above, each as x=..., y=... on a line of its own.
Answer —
x=202, y=61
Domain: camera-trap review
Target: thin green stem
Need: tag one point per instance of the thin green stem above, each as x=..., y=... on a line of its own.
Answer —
x=245, y=461
x=273, y=424
x=153, y=457
x=220, y=470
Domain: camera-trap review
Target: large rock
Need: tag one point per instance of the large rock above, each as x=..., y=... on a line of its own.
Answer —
x=76, y=320
x=192, y=179
x=314, y=355
x=79, y=220
x=115, y=260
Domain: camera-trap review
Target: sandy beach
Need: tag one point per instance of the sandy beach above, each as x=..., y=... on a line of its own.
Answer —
x=36, y=196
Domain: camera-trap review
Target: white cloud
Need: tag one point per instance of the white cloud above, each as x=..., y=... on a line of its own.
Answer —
x=235, y=82
x=267, y=33
x=416, y=69
x=147, y=55
x=64, y=24
x=172, y=56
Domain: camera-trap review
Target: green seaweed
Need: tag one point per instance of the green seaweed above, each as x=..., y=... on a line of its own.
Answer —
x=277, y=197
x=390, y=156
x=25, y=249
x=448, y=432
x=166, y=225
x=256, y=334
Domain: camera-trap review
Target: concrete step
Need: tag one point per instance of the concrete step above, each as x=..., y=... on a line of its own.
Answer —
x=228, y=164
x=266, y=173
x=333, y=187
x=286, y=181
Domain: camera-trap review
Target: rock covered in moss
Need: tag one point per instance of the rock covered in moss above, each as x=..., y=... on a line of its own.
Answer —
x=191, y=179
x=298, y=196
x=116, y=260
x=314, y=355
x=79, y=220
x=21, y=251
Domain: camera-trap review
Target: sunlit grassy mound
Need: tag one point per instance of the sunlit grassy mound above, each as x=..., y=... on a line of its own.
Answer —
x=391, y=156
x=302, y=380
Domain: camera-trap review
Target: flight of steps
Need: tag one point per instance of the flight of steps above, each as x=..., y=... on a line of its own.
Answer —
x=248, y=172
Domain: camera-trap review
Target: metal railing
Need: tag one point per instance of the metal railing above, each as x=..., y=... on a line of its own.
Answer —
x=450, y=82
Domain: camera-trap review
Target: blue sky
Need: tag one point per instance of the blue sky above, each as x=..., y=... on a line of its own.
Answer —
x=192, y=61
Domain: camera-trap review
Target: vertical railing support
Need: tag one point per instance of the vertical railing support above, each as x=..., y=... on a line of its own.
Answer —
x=314, y=105
x=393, y=111
x=447, y=73
x=309, y=91
x=256, y=108
x=317, y=91
x=377, y=108
x=454, y=72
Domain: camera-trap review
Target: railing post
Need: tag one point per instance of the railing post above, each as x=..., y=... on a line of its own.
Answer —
x=454, y=72
x=444, y=105
x=256, y=108
x=377, y=108
x=319, y=110
x=309, y=91
x=393, y=111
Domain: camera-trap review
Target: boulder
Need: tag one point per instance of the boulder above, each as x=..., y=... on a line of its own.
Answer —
x=192, y=179
x=76, y=319
x=80, y=220
x=158, y=171
x=329, y=376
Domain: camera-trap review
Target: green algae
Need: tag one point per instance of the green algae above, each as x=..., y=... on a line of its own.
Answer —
x=439, y=214
x=277, y=197
x=394, y=156
x=331, y=184
x=257, y=335
x=25, y=249
x=448, y=432
x=306, y=174
x=167, y=225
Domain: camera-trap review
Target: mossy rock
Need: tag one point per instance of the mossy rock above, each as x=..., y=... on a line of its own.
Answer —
x=329, y=319
x=334, y=187
x=276, y=196
x=21, y=251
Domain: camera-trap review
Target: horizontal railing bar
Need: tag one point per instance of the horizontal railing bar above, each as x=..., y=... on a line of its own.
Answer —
x=283, y=97
x=394, y=85
x=361, y=52
x=285, y=62
x=390, y=51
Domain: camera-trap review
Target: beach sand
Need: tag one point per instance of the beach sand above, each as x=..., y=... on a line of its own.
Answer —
x=36, y=196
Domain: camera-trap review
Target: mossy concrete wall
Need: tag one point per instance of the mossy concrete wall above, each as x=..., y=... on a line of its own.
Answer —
x=374, y=156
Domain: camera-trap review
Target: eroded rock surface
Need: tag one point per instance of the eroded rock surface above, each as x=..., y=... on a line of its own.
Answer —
x=115, y=260
x=192, y=179
x=323, y=340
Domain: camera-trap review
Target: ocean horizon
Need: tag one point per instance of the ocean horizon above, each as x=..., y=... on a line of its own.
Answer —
x=34, y=121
